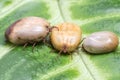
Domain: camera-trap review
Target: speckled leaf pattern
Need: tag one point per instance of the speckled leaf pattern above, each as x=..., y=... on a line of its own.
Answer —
x=18, y=63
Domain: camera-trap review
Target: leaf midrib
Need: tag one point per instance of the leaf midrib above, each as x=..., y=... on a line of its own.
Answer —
x=61, y=11
x=64, y=19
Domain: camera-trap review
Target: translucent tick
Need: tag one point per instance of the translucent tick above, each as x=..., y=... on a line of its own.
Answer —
x=101, y=42
x=66, y=37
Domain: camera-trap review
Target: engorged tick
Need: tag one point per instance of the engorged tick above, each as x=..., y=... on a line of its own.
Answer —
x=66, y=38
x=101, y=42
x=29, y=30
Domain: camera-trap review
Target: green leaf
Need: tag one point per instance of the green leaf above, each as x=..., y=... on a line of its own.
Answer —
x=17, y=63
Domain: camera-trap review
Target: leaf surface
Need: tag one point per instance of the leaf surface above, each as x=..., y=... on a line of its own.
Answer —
x=17, y=63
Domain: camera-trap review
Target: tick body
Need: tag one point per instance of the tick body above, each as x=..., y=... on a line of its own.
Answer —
x=66, y=38
x=27, y=30
x=101, y=42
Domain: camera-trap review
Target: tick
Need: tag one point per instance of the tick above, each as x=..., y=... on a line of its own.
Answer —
x=65, y=37
x=27, y=30
x=101, y=42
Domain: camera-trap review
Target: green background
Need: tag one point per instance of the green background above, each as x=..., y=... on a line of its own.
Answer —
x=17, y=63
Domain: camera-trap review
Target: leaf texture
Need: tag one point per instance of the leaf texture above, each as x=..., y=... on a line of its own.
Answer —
x=42, y=64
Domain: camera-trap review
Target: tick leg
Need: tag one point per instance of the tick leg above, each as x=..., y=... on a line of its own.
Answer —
x=46, y=42
x=79, y=49
x=60, y=52
x=81, y=45
x=83, y=39
x=25, y=45
x=71, y=57
x=33, y=46
x=53, y=28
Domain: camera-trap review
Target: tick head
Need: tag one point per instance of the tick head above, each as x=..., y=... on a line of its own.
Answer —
x=65, y=48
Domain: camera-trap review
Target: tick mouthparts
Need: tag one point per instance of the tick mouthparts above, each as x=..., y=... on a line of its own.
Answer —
x=64, y=48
